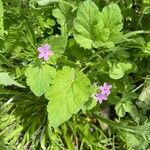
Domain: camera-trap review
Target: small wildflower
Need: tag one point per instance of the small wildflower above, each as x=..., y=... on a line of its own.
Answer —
x=45, y=52
x=105, y=89
x=100, y=97
x=104, y=92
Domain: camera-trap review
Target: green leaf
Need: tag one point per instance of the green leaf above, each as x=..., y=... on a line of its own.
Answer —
x=6, y=80
x=145, y=95
x=89, y=104
x=39, y=78
x=127, y=106
x=120, y=110
x=65, y=16
x=1, y=20
x=112, y=19
x=96, y=29
x=58, y=46
x=117, y=70
x=135, y=141
x=68, y=93
x=87, y=16
x=73, y=51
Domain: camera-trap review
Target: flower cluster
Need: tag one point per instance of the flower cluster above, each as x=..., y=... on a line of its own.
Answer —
x=104, y=92
x=45, y=52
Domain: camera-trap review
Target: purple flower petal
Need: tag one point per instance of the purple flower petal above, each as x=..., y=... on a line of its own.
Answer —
x=44, y=52
x=40, y=55
x=40, y=49
x=105, y=89
x=101, y=97
x=46, y=47
x=46, y=57
x=104, y=92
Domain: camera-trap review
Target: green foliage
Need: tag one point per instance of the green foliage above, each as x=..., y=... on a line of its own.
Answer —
x=97, y=29
x=58, y=45
x=6, y=80
x=83, y=35
x=70, y=89
x=1, y=20
x=65, y=16
x=93, y=42
x=39, y=78
x=134, y=141
x=112, y=19
x=118, y=69
x=145, y=94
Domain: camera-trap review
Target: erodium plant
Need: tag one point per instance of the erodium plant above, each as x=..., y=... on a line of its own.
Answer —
x=52, y=52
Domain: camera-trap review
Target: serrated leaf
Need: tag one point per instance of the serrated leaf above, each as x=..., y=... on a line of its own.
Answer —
x=6, y=80
x=73, y=51
x=69, y=91
x=39, y=78
x=96, y=29
x=87, y=16
x=112, y=19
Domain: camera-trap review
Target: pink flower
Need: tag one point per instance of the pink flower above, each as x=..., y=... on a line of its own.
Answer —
x=104, y=92
x=101, y=97
x=45, y=52
x=105, y=89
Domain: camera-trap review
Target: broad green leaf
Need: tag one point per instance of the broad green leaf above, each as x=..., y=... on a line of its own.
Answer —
x=96, y=29
x=6, y=80
x=101, y=36
x=88, y=15
x=1, y=20
x=74, y=51
x=117, y=70
x=132, y=110
x=127, y=106
x=112, y=19
x=67, y=94
x=39, y=78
